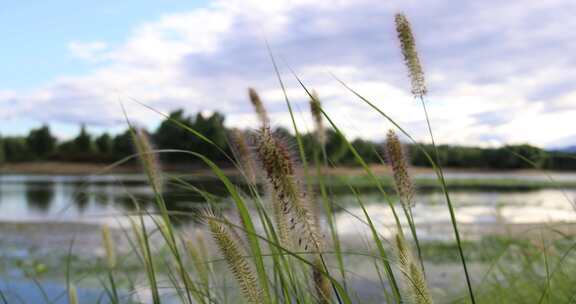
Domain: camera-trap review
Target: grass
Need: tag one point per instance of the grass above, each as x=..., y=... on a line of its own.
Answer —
x=272, y=246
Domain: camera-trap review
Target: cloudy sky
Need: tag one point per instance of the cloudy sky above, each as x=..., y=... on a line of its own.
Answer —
x=497, y=71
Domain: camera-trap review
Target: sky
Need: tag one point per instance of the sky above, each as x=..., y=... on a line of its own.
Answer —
x=498, y=72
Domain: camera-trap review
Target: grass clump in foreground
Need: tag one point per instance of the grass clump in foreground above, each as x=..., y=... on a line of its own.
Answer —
x=275, y=245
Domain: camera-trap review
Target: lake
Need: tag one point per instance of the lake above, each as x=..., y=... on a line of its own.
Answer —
x=42, y=214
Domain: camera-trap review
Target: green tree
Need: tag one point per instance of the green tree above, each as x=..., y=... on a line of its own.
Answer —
x=66, y=149
x=370, y=152
x=517, y=154
x=16, y=149
x=171, y=135
x=83, y=142
x=41, y=142
x=104, y=144
x=122, y=145
x=336, y=147
x=213, y=128
x=2, y=156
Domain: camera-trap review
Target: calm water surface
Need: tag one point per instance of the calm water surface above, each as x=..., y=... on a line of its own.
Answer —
x=77, y=198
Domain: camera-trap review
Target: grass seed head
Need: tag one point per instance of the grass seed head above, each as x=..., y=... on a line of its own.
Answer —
x=399, y=165
x=148, y=159
x=289, y=195
x=109, y=247
x=258, y=107
x=234, y=255
x=72, y=294
x=321, y=283
x=244, y=155
x=316, y=110
x=415, y=282
x=410, y=54
x=274, y=155
x=198, y=261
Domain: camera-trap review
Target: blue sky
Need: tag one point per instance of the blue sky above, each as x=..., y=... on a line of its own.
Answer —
x=39, y=33
x=498, y=71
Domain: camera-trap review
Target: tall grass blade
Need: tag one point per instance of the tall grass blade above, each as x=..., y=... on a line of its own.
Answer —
x=440, y=176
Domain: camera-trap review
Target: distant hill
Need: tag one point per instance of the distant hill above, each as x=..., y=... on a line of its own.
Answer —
x=568, y=149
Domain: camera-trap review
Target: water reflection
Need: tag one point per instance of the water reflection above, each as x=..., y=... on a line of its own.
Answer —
x=81, y=198
x=39, y=195
x=102, y=198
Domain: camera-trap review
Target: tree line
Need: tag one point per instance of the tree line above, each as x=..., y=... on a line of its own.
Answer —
x=41, y=145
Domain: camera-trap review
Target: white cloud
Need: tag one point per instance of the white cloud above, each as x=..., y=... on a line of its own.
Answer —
x=90, y=51
x=498, y=71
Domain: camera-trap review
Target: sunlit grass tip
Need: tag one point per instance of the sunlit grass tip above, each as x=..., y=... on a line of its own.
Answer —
x=410, y=54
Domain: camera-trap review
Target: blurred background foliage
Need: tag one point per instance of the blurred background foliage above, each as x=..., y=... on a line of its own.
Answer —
x=41, y=145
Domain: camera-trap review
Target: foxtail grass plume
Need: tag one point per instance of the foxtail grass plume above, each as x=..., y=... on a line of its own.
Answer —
x=199, y=256
x=316, y=110
x=321, y=283
x=258, y=107
x=201, y=245
x=198, y=260
x=234, y=255
x=242, y=151
x=416, y=285
x=148, y=159
x=280, y=218
x=279, y=168
x=397, y=161
x=202, y=262
x=410, y=54
x=291, y=205
x=109, y=247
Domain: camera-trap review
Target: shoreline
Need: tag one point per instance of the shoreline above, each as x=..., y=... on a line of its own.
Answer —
x=73, y=168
